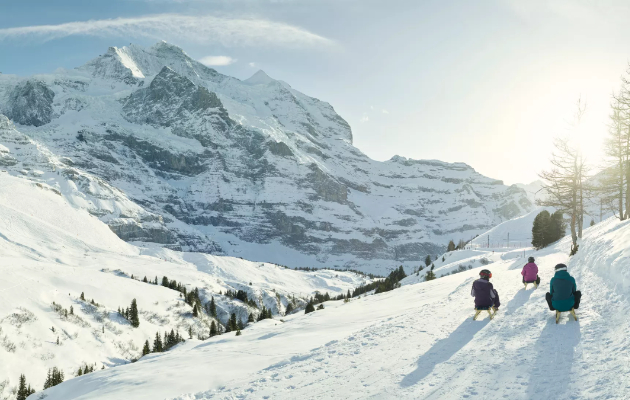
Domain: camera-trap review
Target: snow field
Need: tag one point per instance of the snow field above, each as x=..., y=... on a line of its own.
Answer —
x=418, y=341
x=52, y=250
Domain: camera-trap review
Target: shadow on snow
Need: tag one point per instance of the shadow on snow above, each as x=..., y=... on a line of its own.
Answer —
x=444, y=349
x=551, y=373
x=520, y=298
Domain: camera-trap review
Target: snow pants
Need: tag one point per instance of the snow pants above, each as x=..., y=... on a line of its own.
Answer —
x=577, y=296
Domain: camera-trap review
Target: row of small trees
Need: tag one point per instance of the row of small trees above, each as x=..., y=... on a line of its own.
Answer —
x=131, y=314
x=159, y=345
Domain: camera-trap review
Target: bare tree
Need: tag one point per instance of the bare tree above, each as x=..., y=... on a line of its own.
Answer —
x=623, y=103
x=564, y=184
x=612, y=184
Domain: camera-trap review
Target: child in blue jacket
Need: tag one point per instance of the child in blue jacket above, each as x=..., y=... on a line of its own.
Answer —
x=563, y=295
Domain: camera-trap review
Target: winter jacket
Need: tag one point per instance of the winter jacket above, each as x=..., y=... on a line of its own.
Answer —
x=530, y=272
x=562, y=289
x=484, y=294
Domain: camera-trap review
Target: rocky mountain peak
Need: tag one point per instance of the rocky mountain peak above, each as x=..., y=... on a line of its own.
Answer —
x=168, y=99
x=30, y=103
x=259, y=78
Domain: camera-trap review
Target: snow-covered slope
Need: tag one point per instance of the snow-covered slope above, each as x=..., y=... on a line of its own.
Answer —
x=418, y=341
x=52, y=250
x=166, y=150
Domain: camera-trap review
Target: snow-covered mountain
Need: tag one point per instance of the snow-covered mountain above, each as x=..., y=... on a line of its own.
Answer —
x=52, y=251
x=166, y=150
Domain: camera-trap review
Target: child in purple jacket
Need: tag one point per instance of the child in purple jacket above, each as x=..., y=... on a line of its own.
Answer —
x=530, y=273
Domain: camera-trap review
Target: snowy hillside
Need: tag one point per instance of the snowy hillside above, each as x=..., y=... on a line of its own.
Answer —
x=166, y=150
x=418, y=341
x=519, y=231
x=52, y=250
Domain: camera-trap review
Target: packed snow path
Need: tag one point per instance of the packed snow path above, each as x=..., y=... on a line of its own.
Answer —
x=418, y=341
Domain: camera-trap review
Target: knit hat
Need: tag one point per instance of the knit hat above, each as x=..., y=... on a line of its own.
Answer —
x=561, y=267
x=530, y=259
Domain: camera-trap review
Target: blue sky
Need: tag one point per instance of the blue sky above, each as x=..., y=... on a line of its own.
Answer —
x=489, y=83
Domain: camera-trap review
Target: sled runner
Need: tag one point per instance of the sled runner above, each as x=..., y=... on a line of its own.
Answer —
x=533, y=283
x=558, y=314
x=491, y=312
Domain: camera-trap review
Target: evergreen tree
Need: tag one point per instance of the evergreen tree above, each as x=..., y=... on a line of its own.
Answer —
x=195, y=313
x=592, y=222
x=451, y=246
x=82, y=296
x=23, y=391
x=53, y=378
x=133, y=314
x=213, y=329
x=213, y=308
x=145, y=280
x=71, y=310
x=430, y=275
x=427, y=260
x=157, y=343
x=146, y=350
x=263, y=314
x=443, y=259
x=557, y=227
x=320, y=307
x=48, y=381
x=540, y=230
x=309, y=308
x=164, y=281
x=289, y=309
x=232, y=322
x=250, y=318
x=238, y=332
x=190, y=332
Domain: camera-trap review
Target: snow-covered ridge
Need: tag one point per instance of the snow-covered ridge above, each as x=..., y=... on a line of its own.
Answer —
x=199, y=161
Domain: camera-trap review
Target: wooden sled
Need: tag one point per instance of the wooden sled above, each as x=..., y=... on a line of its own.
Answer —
x=534, y=283
x=559, y=313
x=492, y=311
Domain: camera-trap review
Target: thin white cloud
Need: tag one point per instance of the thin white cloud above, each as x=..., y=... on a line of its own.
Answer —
x=212, y=61
x=365, y=118
x=229, y=32
x=384, y=111
x=252, y=64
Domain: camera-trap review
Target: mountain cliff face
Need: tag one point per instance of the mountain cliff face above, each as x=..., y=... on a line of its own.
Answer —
x=164, y=149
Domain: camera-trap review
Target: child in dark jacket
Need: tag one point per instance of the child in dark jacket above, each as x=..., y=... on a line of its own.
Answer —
x=484, y=293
